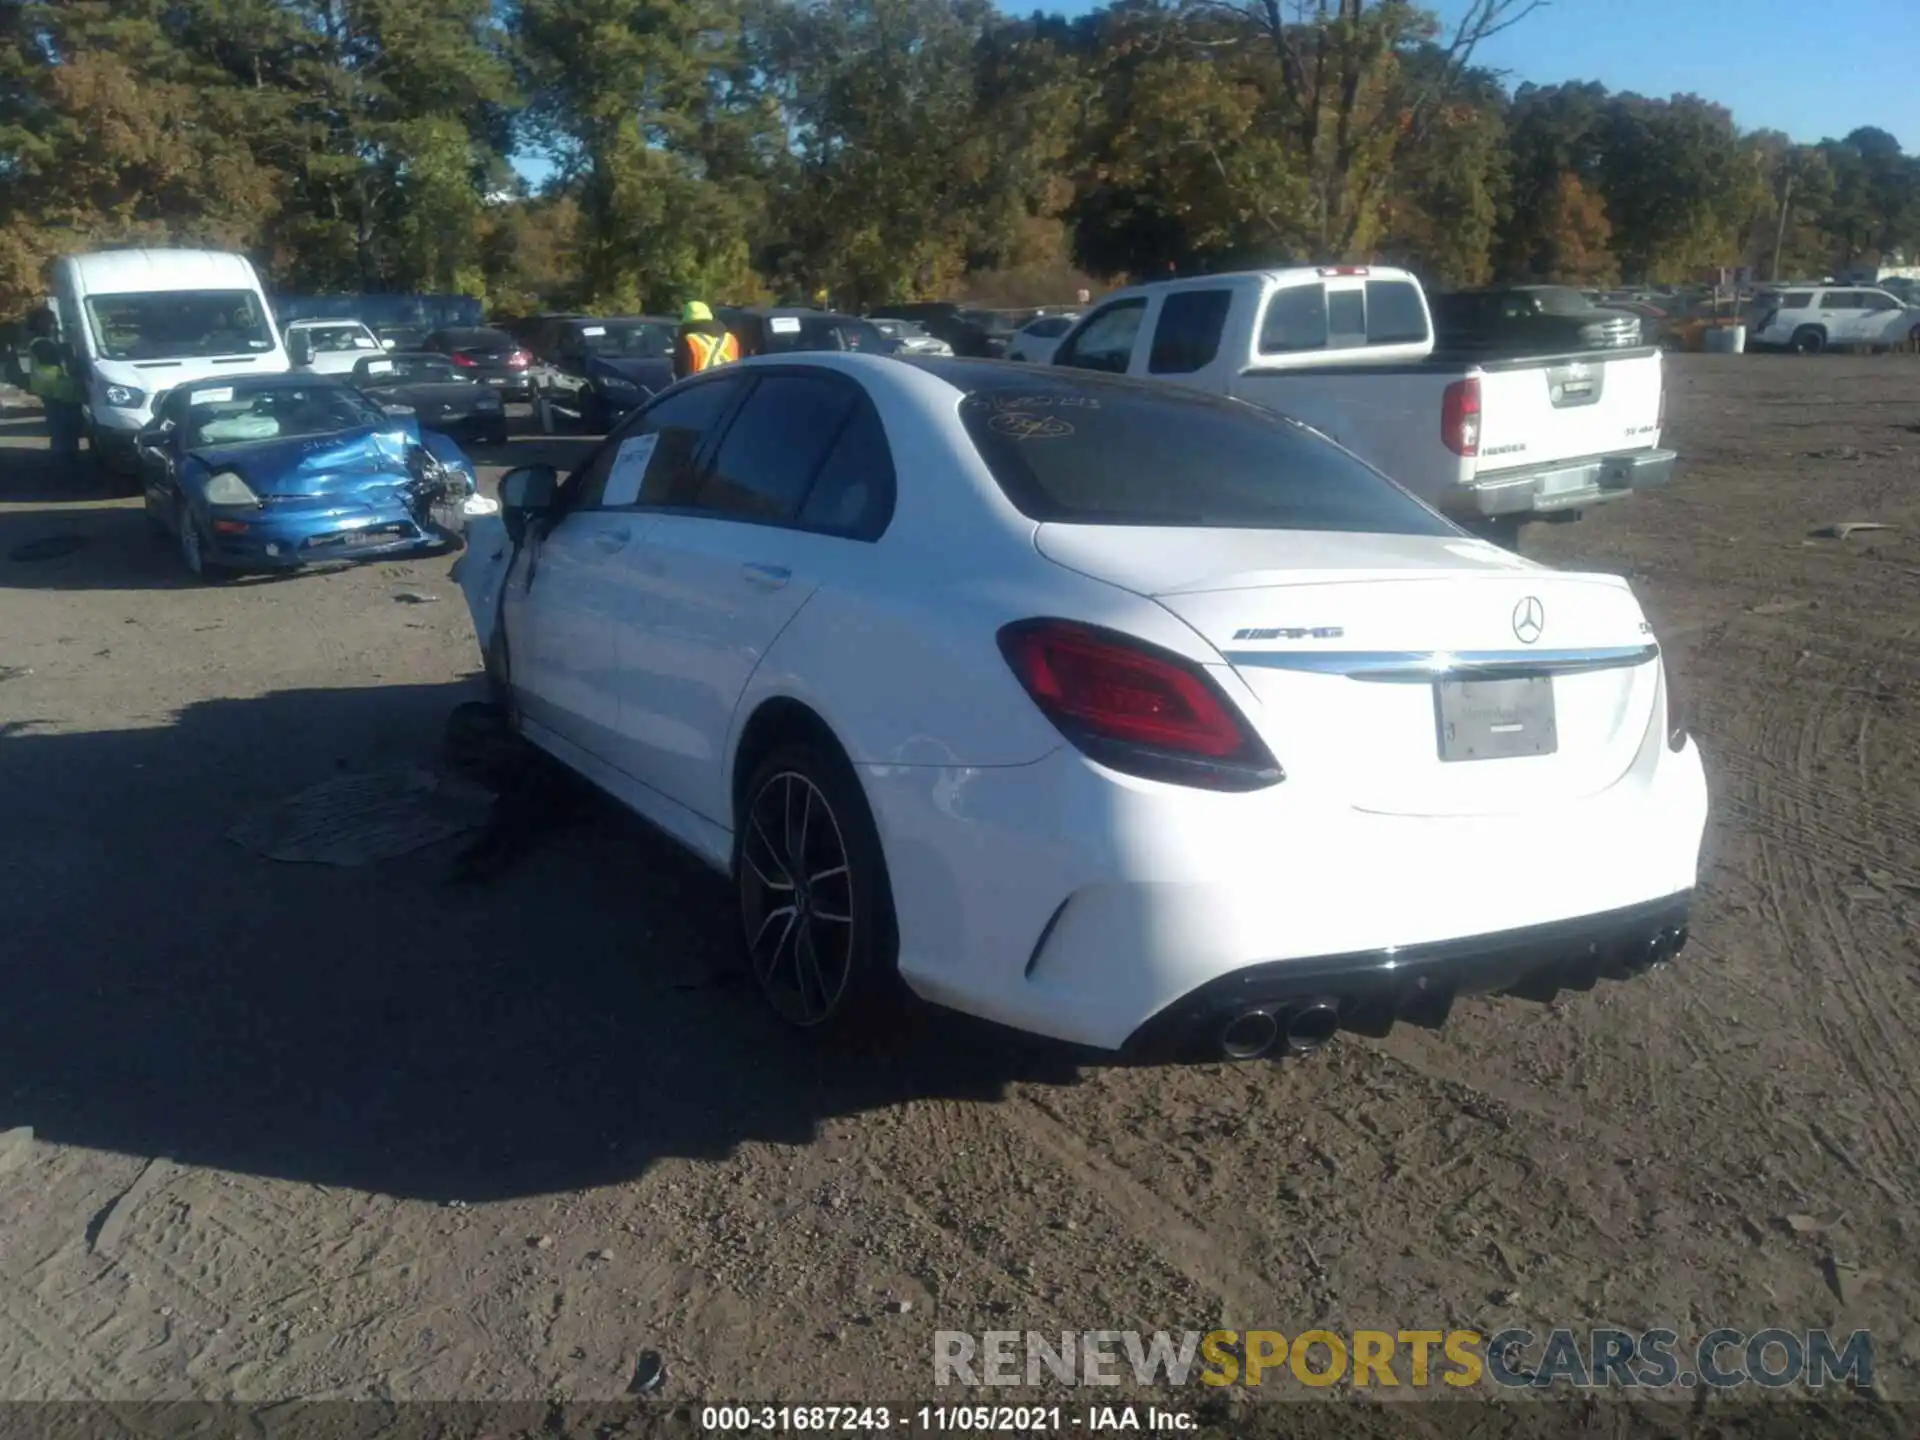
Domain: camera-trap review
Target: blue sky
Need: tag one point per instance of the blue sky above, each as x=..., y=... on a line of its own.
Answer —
x=1811, y=70
x=1777, y=64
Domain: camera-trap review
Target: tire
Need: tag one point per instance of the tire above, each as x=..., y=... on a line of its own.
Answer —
x=822, y=948
x=1809, y=340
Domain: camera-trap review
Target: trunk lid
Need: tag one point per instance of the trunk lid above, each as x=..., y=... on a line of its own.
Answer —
x=1369, y=656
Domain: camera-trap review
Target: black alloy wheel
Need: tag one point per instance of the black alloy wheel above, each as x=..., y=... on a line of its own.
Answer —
x=816, y=913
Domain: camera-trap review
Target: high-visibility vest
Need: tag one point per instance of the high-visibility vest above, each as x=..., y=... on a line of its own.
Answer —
x=47, y=376
x=706, y=351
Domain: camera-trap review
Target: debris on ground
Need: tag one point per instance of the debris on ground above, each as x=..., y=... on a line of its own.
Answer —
x=1841, y=529
x=415, y=597
x=649, y=1373
x=1783, y=607
x=14, y=672
x=49, y=547
x=363, y=819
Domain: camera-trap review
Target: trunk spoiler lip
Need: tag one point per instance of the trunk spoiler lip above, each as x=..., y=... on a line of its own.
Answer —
x=1426, y=666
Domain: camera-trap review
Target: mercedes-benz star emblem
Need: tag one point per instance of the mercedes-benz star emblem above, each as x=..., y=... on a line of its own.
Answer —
x=1529, y=619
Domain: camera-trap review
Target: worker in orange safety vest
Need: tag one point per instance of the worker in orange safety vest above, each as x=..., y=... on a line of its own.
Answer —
x=703, y=342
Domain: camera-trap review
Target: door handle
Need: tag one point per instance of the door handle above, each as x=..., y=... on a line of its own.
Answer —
x=766, y=577
x=612, y=540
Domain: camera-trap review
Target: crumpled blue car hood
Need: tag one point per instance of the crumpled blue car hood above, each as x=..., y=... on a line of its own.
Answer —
x=318, y=464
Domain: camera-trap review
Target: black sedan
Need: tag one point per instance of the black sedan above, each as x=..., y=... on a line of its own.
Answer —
x=595, y=370
x=441, y=396
x=490, y=356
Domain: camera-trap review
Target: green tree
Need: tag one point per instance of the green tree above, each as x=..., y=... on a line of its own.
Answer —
x=626, y=96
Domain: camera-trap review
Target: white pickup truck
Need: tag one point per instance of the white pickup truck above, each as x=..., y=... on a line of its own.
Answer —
x=1349, y=350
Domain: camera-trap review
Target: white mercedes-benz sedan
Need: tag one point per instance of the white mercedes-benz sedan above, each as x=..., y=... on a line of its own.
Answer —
x=1119, y=713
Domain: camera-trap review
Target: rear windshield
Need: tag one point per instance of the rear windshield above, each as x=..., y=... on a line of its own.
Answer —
x=629, y=339
x=331, y=339
x=477, y=339
x=407, y=369
x=1114, y=453
x=823, y=332
x=176, y=324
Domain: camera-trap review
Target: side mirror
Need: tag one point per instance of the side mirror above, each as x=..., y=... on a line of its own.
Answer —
x=526, y=494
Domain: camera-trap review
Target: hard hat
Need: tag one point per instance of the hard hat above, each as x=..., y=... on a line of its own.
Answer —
x=694, y=311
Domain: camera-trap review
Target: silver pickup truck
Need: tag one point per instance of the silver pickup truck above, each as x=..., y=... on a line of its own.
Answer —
x=1349, y=350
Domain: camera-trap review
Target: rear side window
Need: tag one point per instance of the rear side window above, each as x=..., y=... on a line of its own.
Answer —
x=1394, y=313
x=1187, y=335
x=1796, y=300
x=1296, y=320
x=1093, y=452
x=775, y=445
x=854, y=492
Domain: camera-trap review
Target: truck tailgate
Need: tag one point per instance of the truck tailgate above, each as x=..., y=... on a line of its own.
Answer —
x=1541, y=410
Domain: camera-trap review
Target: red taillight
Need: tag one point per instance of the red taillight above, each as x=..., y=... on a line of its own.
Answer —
x=1134, y=707
x=518, y=360
x=1344, y=270
x=1460, y=417
x=466, y=362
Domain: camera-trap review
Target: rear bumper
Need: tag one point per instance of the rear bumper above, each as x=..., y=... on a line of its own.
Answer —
x=1372, y=990
x=1573, y=486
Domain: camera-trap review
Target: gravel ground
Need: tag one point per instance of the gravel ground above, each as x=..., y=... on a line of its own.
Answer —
x=310, y=1131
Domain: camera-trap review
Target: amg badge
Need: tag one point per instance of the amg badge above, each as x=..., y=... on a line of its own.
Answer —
x=1293, y=632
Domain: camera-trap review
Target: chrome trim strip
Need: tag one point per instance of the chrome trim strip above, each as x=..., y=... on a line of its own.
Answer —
x=1425, y=666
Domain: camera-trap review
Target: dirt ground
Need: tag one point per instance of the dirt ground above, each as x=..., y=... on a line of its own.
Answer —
x=367, y=1133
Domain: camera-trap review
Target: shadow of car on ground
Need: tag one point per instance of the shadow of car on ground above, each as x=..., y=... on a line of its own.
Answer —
x=562, y=1025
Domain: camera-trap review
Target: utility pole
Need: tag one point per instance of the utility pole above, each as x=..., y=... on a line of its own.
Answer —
x=1780, y=235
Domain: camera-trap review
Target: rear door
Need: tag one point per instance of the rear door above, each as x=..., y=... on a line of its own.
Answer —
x=799, y=483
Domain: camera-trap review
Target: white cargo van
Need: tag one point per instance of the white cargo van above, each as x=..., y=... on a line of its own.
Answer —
x=140, y=322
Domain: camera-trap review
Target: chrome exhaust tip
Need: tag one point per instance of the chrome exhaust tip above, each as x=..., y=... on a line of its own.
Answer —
x=1310, y=1026
x=1249, y=1035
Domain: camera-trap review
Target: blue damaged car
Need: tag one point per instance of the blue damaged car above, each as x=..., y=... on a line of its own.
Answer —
x=271, y=472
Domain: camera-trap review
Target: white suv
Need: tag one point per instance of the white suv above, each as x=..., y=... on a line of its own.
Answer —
x=1812, y=318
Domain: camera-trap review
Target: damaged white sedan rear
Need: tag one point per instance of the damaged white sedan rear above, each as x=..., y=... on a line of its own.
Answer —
x=1131, y=716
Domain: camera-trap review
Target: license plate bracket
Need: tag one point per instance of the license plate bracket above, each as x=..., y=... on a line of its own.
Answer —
x=1502, y=719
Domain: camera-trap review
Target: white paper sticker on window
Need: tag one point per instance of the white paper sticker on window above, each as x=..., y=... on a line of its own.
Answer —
x=784, y=324
x=593, y=329
x=379, y=367
x=628, y=470
x=214, y=396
